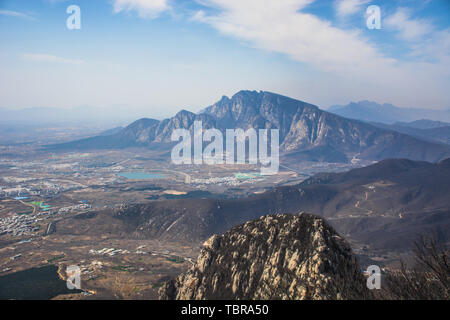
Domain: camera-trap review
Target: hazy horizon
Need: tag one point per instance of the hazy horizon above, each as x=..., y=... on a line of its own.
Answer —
x=168, y=55
x=126, y=115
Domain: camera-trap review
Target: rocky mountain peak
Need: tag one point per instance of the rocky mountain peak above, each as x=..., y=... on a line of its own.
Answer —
x=184, y=113
x=274, y=257
x=305, y=131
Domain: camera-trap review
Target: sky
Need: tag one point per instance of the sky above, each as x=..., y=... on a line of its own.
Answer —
x=155, y=57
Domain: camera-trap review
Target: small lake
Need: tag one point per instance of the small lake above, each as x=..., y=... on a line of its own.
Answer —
x=41, y=283
x=140, y=175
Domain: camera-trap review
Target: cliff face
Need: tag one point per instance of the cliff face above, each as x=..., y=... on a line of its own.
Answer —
x=274, y=257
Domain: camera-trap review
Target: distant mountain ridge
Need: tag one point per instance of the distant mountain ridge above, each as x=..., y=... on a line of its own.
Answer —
x=427, y=130
x=423, y=124
x=370, y=111
x=306, y=132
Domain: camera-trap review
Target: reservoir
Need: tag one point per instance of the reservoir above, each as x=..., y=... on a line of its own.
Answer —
x=140, y=175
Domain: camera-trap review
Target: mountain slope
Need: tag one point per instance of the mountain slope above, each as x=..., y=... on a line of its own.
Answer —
x=142, y=133
x=134, y=135
x=423, y=124
x=435, y=134
x=274, y=257
x=306, y=132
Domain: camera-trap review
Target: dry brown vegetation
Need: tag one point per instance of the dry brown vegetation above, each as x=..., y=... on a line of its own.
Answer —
x=429, y=279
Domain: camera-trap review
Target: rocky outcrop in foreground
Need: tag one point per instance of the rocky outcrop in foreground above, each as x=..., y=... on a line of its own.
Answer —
x=274, y=257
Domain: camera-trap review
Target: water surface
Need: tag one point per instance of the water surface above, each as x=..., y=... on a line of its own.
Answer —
x=140, y=175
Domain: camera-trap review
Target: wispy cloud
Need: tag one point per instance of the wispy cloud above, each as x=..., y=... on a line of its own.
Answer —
x=349, y=7
x=48, y=58
x=145, y=8
x=283, y=27
x=11, y=13
x=408, y=28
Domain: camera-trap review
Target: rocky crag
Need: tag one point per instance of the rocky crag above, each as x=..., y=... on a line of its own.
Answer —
x=274, y=257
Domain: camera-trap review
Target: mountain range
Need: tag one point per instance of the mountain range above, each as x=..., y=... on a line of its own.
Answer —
x=306, y=132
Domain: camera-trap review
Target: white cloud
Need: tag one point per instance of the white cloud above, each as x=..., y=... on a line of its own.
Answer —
x=349, y=7
x=15, y=14
x=42, y=57
x=346, y=54
x=279, y=26
x=409, y=29
x=145, y=8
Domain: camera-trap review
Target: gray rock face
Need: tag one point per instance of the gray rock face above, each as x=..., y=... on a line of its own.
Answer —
x=305, y=131
x=274, y=257
x=310, y=133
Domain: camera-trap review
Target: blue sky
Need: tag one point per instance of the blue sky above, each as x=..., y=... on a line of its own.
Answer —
x=154, y=57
